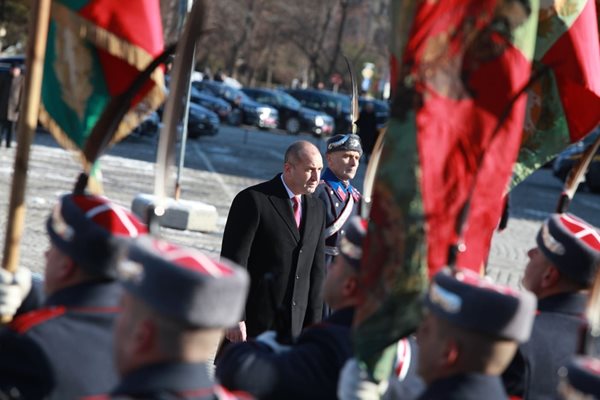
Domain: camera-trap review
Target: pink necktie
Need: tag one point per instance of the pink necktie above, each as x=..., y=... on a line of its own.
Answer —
x=296, y=208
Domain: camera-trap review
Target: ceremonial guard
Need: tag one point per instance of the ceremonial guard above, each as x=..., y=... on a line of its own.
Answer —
x=340, y=198
x=469, y=335
x=63, y=350
x=175, y=307
x=560, y=272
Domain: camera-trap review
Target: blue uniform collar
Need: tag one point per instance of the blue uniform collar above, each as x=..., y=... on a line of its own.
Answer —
x=340, y=189
x=87, y=294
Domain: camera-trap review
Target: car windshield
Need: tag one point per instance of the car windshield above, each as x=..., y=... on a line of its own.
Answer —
x=287, y=100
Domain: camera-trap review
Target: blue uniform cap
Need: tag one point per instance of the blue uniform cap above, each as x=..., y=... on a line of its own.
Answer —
x=348, y=142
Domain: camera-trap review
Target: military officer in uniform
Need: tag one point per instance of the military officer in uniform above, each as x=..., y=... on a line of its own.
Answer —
x=469, y=335
x=340, y=198
x=176, y=305
x=560, y=271
x=63, y=350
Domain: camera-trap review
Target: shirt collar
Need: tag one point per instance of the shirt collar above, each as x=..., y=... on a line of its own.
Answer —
x=335, y=182
x=287, y=189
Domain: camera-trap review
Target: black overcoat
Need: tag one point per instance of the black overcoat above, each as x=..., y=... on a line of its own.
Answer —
x=285, y=263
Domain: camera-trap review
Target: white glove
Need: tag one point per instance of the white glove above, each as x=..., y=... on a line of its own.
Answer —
x=354, y=383
x=269, y=338
x=13, y=289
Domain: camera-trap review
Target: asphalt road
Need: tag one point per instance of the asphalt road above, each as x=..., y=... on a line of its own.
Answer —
x=218, y=167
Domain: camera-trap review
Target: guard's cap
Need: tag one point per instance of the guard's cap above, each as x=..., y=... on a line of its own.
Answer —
x=572, y=245
x=184, y=284
x=351, y=241
x=348, y=142
x=580, y=378
x=469, y=301
x=92, y=230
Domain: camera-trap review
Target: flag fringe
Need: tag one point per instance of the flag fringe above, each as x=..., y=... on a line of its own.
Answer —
x=106, y=40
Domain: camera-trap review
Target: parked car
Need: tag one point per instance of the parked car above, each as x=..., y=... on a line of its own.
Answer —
x=202, y=122
x=149, y=125
x=382, y=109
x=244, y=109
x=292, y=116
x=215, y=104
x=565, y=161
x=334, y=104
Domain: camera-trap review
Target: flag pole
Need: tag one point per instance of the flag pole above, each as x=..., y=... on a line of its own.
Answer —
x=28, y=118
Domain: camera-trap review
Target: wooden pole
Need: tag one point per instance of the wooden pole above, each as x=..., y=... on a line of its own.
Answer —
x=28, y=118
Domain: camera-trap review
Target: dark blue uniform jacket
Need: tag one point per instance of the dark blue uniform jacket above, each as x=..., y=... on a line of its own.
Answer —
x=168, y=381
x=554, y=340
x=63, y=350
x=466, y=387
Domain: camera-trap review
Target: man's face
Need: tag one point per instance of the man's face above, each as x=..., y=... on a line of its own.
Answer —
x=536, y=270
x=343, y=164
x=431, y=347
x=303, y=174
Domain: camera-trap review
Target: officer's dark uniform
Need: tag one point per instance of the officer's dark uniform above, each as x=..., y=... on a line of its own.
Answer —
x=308, y=370
x=554, y=340
x=209, y=295
x=572, y=246
x=467, y=301
x=466, y=387
x=170, y=381
x=335, y=195
x=63, y=349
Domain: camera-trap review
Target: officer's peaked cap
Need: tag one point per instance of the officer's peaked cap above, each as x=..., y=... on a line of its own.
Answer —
x=351, y=242
x=348, y=142
x=580, y=378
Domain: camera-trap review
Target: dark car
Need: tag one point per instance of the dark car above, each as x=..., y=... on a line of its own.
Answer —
x=292, y=116
x=202, y=121
x=244, y=109
x=219, y=106
x=382, y=110
x=334, y=104
x=565, y=161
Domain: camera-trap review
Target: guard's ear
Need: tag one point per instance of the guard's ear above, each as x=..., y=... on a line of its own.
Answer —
x=451, y=352
x=550, y=277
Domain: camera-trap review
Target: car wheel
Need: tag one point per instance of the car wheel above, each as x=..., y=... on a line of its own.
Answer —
x=292, y=125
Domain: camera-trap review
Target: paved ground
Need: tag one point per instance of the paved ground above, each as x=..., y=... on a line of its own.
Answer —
x=217, y=168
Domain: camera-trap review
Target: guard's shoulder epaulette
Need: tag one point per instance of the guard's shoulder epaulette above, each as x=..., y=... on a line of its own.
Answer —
x=25, y=322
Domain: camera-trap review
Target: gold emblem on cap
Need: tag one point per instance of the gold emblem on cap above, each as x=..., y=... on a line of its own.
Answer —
x=130, y=271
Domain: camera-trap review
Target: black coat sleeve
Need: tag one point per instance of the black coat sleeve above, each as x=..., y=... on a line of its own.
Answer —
x=240, y=228
x=309, y=370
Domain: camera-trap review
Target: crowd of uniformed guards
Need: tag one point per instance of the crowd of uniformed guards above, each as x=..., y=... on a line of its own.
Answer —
x=122, y=314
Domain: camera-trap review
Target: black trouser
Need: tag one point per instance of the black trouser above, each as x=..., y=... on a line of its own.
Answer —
x=6, y=130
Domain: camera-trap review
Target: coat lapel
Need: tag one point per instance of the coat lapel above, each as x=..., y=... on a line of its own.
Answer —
x=283, y=207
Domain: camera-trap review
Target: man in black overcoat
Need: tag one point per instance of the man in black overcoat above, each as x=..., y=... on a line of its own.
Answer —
x=275, y=230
